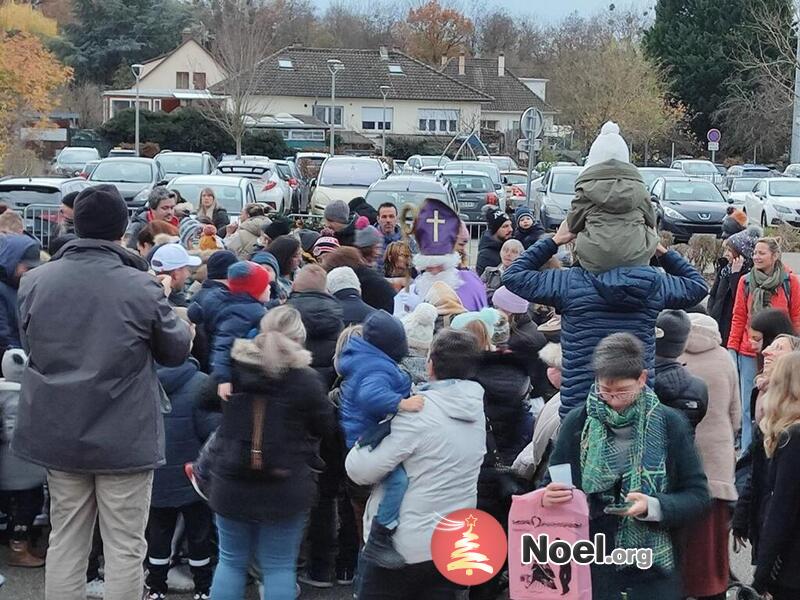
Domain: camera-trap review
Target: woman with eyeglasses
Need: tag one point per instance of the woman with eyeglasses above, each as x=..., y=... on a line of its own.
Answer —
x=636, y=461
x=209, y=208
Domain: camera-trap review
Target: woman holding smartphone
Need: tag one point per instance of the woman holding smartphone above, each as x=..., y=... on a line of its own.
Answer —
x=636, y=461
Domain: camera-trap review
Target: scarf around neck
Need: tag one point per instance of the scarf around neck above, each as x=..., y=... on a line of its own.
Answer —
x=645, y=469
x=763, y=286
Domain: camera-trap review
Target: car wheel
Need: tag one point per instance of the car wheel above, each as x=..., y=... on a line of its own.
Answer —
x=764, y=219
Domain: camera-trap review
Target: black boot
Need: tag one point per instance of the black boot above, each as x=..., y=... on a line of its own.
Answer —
x=379, y=548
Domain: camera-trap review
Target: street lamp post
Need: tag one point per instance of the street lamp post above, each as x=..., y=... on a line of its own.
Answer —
x=334, y=66
x=137, y=73
x=384, y=92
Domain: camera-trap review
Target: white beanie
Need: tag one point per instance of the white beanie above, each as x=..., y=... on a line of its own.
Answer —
x=343, y=278
x=609, y=144
x=419, y=326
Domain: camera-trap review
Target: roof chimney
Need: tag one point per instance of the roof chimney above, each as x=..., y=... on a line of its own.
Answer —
x=444, y=61
x=186, y=35
x=501, y=65
x=462, y=66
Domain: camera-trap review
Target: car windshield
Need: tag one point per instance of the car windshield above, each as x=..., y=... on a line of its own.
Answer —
x=433, y=161
x=699, y=168
x=470, y=184
x=350, y=173
x=228, y=196
x=401, y=197
x=784, y=188
x=757, y=173
x=563, y=183
x=123, y=172
x=741, y=184
x=692, y=191
x=514, y=178
x=285, y=171
x=309, y=166
x=77, y=155
x=22, y=195
x=176, y=164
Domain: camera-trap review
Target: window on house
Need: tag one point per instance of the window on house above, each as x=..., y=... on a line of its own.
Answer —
x=396, y=69
x=156, y=104
x=323, y=113
x=492, y=125
x=118, y=105
x=182, y=80
x=285, y=63
x=372, y=118
x=305, y=135
x=199, y=81
x=438, y=120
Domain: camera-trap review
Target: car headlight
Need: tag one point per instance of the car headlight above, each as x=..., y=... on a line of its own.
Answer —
x=781, y=209
x=142, y=196
x=554, y=211
x=673, y=214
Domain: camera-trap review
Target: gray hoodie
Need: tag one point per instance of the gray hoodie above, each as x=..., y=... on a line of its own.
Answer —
x=441, y=448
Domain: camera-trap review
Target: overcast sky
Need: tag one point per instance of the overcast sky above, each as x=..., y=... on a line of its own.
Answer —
x=544, y=10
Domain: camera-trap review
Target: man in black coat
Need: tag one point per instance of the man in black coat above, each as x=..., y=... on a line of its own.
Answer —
x=498, y=231
x=322, y=317
x=343, y=284
x=674, y=385
x=93, y=322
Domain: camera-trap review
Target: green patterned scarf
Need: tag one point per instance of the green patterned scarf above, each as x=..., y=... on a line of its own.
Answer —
x=763, y=286
x=646, y=470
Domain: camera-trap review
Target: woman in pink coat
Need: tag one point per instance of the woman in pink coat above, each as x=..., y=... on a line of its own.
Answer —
x=706, y=568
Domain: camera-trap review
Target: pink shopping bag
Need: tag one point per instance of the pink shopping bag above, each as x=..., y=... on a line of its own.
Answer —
x=568, y=522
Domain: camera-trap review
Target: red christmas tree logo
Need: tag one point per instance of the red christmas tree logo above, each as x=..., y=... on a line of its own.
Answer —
x=469, y=547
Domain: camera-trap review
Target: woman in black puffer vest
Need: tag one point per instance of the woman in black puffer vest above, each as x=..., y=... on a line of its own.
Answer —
x=261, y=483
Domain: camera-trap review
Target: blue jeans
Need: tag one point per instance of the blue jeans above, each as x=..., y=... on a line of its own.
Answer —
x=275, y=546
x=394, y=485
x=747, y=367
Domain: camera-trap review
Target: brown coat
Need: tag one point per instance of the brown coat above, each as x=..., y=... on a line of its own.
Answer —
x=714, y=436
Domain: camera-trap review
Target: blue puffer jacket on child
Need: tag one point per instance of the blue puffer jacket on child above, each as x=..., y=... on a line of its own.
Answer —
x=373, y=383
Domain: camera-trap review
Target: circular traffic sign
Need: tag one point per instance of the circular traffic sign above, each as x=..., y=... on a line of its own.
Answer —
x=531, y=123
x=714, y=135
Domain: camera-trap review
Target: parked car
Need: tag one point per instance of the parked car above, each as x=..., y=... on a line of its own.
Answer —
x=416, y=162
x=186, y=163
x=88, y=169
x=431, y=171
x=484, y=167
x=739, y=188
x=504, y=163
x=38, y=200
x=688, y=206
x=232, y=193
x=555, y=194
x=288, y=172
x=399, y=166
x=698, y=168
x=401, y=190
x=117, y=152
x=774, y=201
x=309, y=163
x=721, y=169
x=516, y=185
x=792, y=170
x=343, y=178
x=650, y=174
x=750, y=171
x=71, y=160
x=270, y=188
x=134, y=177
x=474, y=191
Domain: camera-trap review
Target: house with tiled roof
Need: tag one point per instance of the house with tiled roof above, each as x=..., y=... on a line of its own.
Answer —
x=419, y=100
x=511, y=94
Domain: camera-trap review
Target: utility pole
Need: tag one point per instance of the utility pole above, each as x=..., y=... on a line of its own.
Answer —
x=795, y=152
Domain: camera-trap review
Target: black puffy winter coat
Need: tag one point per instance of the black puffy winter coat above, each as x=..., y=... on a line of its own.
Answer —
x=322, y=318
x=488, y=252
x=723, y=296
x=677, y=388
x=296, y=415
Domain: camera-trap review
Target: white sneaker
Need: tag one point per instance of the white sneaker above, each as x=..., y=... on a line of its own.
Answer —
x=95, y=588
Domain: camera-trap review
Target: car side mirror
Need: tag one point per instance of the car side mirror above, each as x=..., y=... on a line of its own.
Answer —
x=653, y=198
x=313, y=182
x=163, y=182
x=505, y=180
x=540, y=189
x=498, y=186
x=730, y=200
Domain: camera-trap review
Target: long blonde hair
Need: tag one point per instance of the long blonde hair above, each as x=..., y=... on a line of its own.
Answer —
x=203, y=212
x=344, y=337
x=782, y=402
x=282, y=340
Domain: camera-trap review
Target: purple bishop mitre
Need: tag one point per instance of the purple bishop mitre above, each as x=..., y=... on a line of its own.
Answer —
x=436, y=228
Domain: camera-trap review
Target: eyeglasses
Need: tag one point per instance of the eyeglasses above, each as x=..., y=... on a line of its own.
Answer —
x=624, y=396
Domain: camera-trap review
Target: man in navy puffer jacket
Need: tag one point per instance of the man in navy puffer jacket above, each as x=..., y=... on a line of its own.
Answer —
x=593, y=306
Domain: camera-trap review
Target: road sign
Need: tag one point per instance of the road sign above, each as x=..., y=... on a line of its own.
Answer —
x=532, y=123
x=713, y=146
x=537, y=144
x=523, y=145
x=714, y=136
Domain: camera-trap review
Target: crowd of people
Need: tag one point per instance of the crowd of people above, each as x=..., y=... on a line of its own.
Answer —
x=264, y=401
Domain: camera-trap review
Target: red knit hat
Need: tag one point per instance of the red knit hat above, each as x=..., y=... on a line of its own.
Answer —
x=245, y=277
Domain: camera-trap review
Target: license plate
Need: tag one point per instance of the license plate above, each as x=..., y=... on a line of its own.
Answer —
x=467, y=204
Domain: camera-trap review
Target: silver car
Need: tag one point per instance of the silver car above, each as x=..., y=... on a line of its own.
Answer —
x=270, y=188
x=489, y=168
x=134, y=177
x=70, y=161
x=555, y=194
x=232, y=193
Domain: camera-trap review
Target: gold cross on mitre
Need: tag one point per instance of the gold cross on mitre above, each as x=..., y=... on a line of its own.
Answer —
x=436, y=221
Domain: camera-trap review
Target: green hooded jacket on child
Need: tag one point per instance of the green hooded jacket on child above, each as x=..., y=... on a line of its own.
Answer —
x=611, y=213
